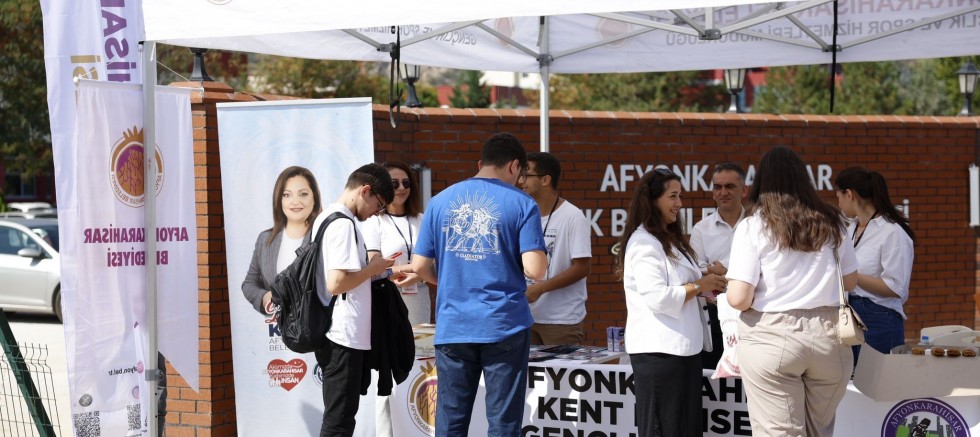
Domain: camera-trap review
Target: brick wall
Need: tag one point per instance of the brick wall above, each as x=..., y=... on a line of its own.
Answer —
x=923, y=158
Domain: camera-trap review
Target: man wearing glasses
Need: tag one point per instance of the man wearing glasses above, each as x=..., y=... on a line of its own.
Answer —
x=711, y=239
x=558, y=302
x=345, y=270
x=484, y=235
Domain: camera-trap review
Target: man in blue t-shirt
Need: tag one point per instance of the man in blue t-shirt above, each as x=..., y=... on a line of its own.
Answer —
x=485, y=236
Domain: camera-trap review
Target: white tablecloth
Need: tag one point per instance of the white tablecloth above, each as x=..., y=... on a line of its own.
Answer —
x=598, y=400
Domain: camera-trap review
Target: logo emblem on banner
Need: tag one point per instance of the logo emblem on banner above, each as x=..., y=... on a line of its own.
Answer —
x=422, y=399
x=924, y=417
x=286, y=375
x=608, y=29
x=506, y=28
x=126, y=168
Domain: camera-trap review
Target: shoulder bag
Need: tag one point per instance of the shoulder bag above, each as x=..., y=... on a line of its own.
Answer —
x=850, y=327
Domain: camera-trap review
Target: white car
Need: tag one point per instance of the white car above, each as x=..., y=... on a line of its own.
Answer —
x=30, y=267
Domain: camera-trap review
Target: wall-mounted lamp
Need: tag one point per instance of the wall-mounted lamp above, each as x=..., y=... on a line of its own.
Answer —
x=411, y=75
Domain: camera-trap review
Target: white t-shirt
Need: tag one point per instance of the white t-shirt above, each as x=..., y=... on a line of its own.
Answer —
x=388, y=234
x=287, y=251
x=351, y=325
x=885, y=251
x=786, y=279
x=568, y=236
x=711, y=239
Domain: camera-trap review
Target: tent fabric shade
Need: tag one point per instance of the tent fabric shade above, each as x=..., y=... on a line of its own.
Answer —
x=589, y=37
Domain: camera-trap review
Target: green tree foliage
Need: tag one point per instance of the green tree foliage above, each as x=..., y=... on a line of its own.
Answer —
x=685, y=91
x=313, y=78
x=427, y=95
x=25, y=140
x=176, y=64
x=918, y=87
x=469, y=92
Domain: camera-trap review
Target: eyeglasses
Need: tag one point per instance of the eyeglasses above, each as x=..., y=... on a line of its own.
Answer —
x=407, y=183
x=381, y=203
x=531, y=175
x=663, y=172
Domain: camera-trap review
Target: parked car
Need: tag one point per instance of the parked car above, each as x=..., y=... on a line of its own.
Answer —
x=29, y=210
x=30, y=266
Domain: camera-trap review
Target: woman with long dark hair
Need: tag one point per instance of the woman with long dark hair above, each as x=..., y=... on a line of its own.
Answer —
x=395, y=232
x=295, y=204
x=882, y=240
x=784, y=277
x=664, y=327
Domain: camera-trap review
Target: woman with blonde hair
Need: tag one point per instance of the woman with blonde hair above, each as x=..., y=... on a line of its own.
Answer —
x=784, y=277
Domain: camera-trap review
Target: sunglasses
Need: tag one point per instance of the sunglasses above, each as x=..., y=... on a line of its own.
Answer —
x=407, y=183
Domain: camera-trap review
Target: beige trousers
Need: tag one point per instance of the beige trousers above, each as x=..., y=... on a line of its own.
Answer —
x=795, y=371
x=557, y=334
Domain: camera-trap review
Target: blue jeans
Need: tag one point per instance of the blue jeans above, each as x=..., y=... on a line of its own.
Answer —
x=504, y=367
x=886, y=328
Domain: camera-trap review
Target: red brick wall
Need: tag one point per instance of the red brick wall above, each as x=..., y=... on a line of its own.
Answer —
x=923, y=158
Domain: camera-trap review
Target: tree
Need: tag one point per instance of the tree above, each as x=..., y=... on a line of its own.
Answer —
x=685, y=91
x=469, y=92
x=177, y=63
x=313, y=78
x=918, y=87
x=25, y=140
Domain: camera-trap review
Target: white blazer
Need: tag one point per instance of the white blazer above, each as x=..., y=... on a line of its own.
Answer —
x=658, y=319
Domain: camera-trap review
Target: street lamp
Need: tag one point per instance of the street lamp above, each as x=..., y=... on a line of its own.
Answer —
x=199, y=73
x=411, y=75
x=968, y=83
x=735, y=81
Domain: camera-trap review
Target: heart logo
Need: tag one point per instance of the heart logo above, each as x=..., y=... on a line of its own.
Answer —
x=286, y=375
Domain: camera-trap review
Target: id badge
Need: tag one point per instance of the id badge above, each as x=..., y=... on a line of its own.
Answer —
x=411, y=289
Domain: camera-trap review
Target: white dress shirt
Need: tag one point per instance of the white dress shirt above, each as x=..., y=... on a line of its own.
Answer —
x=885, y=251
x=711, y=239
x=657, y=317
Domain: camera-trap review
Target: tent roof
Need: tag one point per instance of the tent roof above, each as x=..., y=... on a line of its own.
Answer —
x=579, y=36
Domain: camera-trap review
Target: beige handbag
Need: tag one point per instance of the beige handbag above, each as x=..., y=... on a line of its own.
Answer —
x=850, y=327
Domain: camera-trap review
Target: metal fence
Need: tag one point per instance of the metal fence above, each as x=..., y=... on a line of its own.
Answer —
x=27, y=400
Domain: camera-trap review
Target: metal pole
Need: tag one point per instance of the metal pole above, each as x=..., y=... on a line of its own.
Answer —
x=544, y=61
x=149, y=211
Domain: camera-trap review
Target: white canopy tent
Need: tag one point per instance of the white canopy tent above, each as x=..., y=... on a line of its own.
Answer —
x=566, y=36
x=578, y=36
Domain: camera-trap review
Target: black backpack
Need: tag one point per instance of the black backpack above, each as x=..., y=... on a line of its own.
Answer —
x=303, y=320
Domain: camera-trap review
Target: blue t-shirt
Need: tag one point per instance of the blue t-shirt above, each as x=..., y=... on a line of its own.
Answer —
x=476, y=231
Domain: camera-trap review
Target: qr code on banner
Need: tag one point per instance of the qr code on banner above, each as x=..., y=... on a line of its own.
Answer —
x=133, y=414
x=87, y=424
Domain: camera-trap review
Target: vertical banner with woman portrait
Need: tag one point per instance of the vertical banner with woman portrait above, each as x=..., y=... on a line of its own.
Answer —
x=277, y=391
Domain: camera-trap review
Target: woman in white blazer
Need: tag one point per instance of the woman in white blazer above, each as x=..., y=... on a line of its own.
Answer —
x=664, y=329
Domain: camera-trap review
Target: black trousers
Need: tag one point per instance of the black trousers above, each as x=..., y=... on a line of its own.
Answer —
x=668, y=395
x=342, y=368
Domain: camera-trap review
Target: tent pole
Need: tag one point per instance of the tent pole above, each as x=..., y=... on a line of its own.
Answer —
x=544, y=64
x=149, y=211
